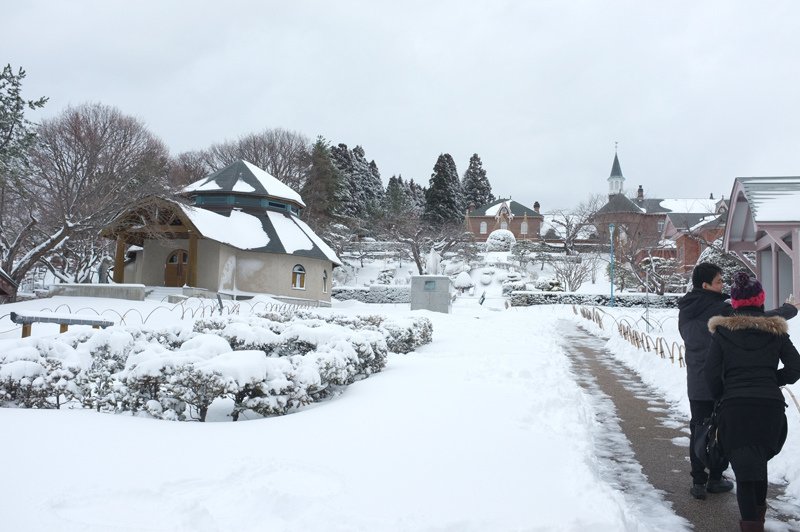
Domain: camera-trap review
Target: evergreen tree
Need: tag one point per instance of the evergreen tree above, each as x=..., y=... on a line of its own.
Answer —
x=443, y=199
x=16, y=132
x=415, y=195
x=477, y=190
x=395, y=200
x=361, y=179
x=323, y=191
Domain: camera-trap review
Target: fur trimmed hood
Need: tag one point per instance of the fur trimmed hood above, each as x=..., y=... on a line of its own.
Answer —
x=769, y=324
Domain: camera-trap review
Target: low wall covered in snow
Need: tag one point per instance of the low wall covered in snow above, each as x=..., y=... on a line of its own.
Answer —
x=133, y=292
x=526, y=299
x=377, y=293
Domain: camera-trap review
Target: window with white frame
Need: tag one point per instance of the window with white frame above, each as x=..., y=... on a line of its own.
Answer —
x=484, y=228
x=299, y=277
x=324, y=281
x=503, y=225
x=523, y=228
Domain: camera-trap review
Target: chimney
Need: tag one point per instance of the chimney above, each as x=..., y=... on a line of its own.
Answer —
x=640, y=193
x=536, y=206
x=711, y=196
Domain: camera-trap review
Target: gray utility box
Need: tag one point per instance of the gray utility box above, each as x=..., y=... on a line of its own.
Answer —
x=431, y=292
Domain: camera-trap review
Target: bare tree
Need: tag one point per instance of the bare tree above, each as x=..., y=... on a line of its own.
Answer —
x=186, y=168
x=88, y=164
x=577, y=222
x=284, y=154
x=571, y=270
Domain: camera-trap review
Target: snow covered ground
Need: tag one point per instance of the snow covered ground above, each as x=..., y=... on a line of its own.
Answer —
x=483, y=429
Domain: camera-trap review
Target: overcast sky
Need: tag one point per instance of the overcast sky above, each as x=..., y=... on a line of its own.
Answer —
x=696, y=93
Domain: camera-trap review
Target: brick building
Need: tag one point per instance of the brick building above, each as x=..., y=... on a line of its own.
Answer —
x=523, y=222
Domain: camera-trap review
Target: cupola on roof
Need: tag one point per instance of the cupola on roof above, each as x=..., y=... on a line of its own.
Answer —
x=243, y=177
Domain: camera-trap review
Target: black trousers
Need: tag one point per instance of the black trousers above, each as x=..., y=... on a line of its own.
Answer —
x=700, y=410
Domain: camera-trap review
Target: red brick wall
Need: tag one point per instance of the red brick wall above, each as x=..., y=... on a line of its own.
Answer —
x=514, y=225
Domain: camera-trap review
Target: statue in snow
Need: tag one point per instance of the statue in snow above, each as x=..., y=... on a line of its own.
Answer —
x=432, y=264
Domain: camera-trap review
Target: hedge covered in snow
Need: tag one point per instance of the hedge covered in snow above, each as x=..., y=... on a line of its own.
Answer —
x=526, y=299
x=377, y=293
x=268, y=364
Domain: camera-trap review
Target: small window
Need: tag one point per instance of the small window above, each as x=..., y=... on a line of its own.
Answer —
x=503, y=225
x=660, y=225
x=324, y=281
x=484, y=228
x=299, y=277
x=523, y=229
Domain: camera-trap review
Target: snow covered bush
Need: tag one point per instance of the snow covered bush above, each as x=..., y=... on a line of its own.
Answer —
x=374, y=294
x=463, y=281
x=500, y=240
x=547, y=284
x=268, y=364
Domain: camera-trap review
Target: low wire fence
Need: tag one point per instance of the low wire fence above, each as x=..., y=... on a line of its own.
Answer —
x=628, y=329
x=193, y=307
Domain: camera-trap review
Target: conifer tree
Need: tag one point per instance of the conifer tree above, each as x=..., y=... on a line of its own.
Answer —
x=477, y=190
x=443, y=199
x=323, y=191
x=396, y=200
x=361, y=179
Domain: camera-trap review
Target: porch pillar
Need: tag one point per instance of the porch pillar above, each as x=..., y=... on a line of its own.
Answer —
x=119, y=261
x=192, y=276
x=776, y=298
x=796, y=263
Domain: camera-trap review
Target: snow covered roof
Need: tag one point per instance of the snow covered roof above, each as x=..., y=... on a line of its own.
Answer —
x=772, y=199
x=271, y=232
x=243, y=177
x=516, y=208
x=619, y=203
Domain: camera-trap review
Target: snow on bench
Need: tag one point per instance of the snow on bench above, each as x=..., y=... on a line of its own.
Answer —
x=26, y=319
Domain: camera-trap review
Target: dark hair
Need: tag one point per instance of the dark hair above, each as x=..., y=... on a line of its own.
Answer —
x=704, y=273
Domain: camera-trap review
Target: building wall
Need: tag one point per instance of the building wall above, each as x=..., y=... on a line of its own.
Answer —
x=514, y=225
x=272, y=273
x=221, y=268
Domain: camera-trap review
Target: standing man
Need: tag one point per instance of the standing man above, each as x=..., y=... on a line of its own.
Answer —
x=705, y=301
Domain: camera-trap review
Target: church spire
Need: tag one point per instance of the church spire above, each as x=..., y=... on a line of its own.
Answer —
x=616, y=180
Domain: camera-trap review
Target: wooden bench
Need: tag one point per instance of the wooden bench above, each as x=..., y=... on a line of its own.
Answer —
x=26, y=319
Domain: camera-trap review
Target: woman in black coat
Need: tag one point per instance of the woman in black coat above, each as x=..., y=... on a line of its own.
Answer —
x=742, y=372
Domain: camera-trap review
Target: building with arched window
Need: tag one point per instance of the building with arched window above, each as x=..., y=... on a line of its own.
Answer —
x=239, y=236
x=508, y=214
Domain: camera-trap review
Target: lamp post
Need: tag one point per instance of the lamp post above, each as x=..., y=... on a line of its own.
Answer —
x=611, y=233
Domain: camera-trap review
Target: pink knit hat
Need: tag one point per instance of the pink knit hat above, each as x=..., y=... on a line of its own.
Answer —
x=746, y=291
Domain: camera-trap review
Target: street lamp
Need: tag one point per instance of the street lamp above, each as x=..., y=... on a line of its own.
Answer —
x=611, y=233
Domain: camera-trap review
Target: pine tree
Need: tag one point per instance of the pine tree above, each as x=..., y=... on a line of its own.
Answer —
x=477, y=190
x=395, y=200
x=323, y=191
x=361, y=179
x=443, y=199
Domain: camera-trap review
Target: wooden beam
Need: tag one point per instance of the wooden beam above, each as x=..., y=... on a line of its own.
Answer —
x=63, y=328
x=778, y=239
x=119, y=261
x=26, y=330
x=162, y=228
x=192, y=280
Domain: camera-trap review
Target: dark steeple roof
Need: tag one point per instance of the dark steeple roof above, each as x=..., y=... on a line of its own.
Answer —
x=616, y=170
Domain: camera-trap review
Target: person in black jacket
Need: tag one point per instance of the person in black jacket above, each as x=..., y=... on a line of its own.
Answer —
x=705, y=301
x=741, y=370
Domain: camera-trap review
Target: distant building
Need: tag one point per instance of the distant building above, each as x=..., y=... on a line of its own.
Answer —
x=522, y=221
x=691, y=233
x=241, y=235
x=764, y=219
x=640, y=221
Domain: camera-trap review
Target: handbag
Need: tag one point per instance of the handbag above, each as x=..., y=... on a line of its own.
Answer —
x=706, y=444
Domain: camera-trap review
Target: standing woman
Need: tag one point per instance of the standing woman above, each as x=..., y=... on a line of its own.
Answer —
x=742, y=372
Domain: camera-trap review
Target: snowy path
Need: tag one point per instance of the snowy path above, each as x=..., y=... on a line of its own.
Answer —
x=655, y=432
